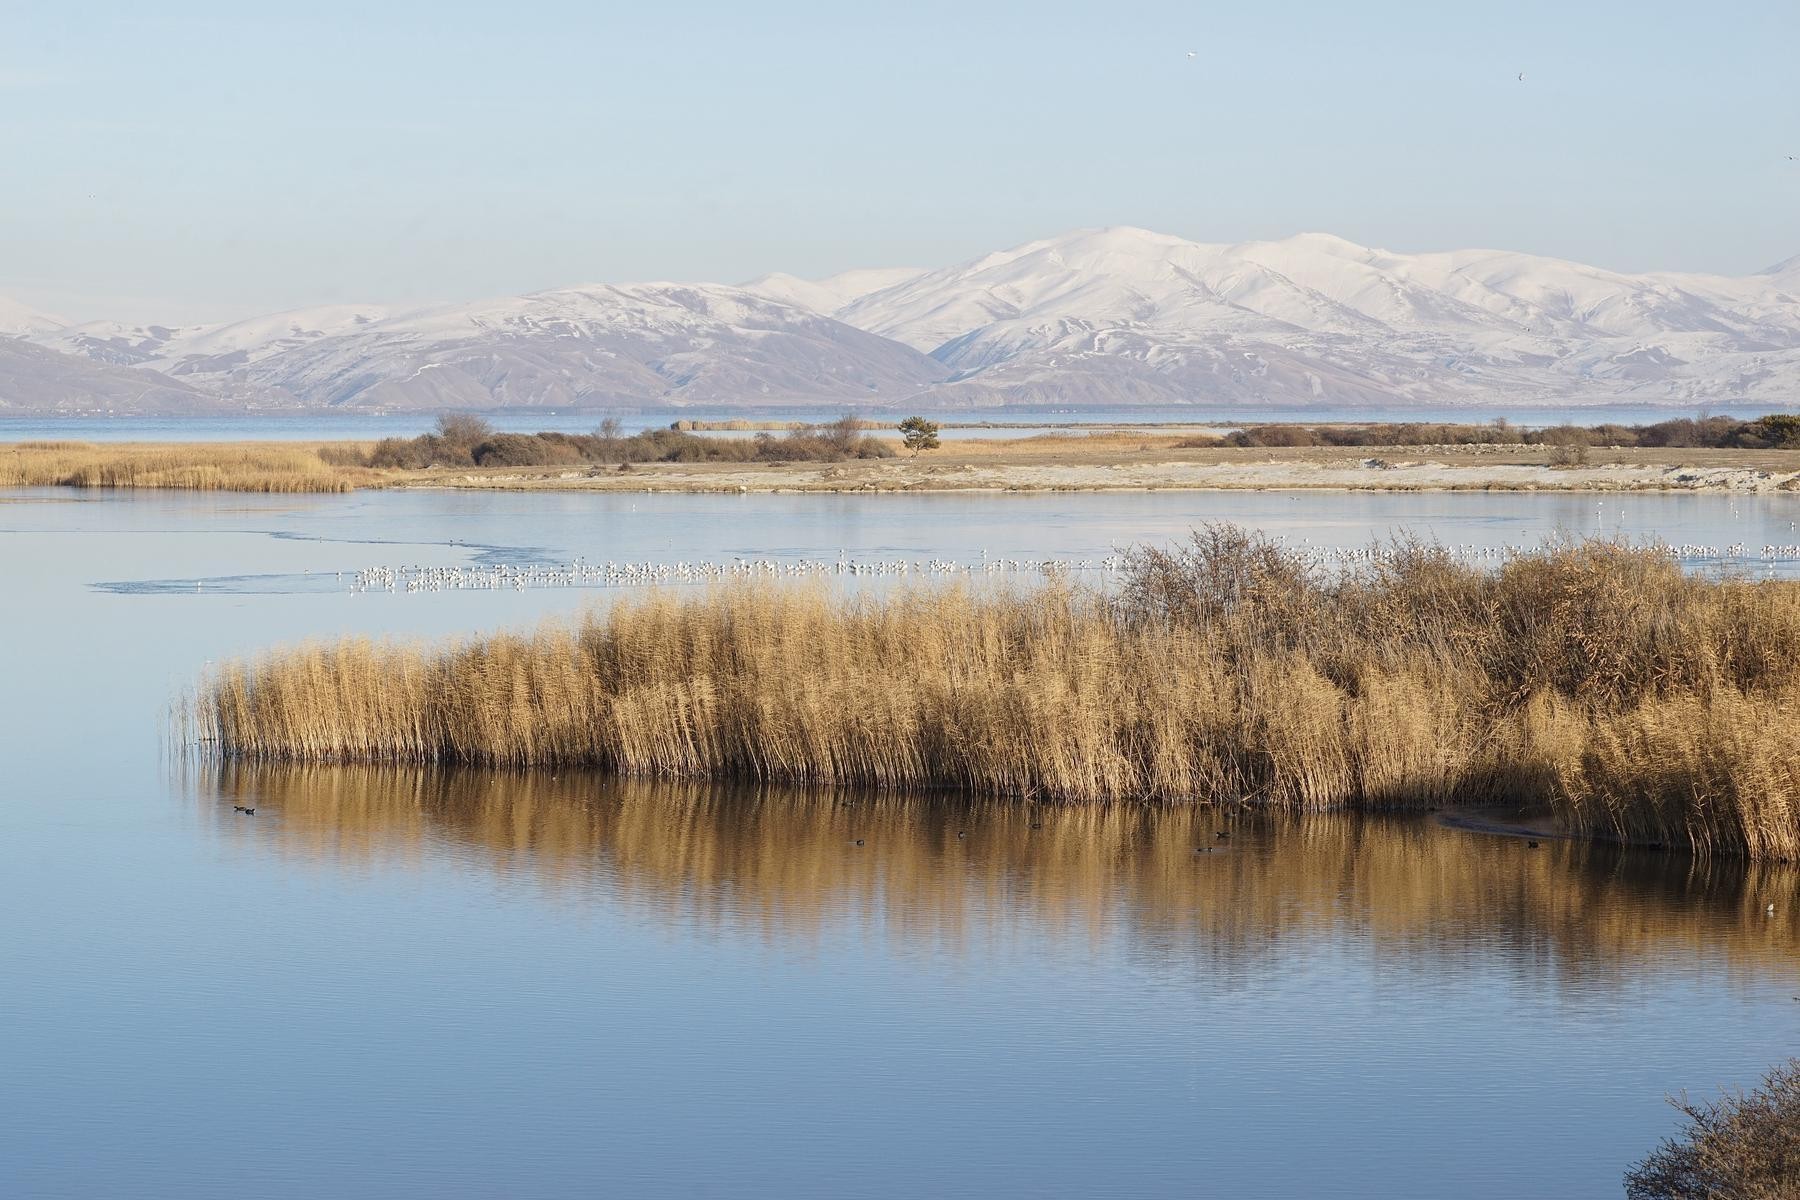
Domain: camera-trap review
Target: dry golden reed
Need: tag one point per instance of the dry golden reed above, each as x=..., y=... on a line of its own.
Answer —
x=1640, y=703
x=204, y=467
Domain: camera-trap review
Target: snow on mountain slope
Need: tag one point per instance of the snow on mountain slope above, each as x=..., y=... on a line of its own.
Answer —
x=832, y=293
x=37, y=380
x=639, y=344
x=1312, y=282
x=1100, y=316
x=209, y=349
x=1094, y=317
x=115, y=343
x=16, y=320
x=1784, y=275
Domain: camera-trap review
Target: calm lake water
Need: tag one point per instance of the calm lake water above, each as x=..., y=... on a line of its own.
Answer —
x=431, y=983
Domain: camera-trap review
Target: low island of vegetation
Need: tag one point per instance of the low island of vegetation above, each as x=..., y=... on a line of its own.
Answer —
x=861, y=454
x=1634, y=701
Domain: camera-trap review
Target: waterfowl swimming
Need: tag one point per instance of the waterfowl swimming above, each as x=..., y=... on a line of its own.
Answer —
x=248, y=812
x=1533, y=845
x=1222, y=833
x=961, y=834
x=859, y=841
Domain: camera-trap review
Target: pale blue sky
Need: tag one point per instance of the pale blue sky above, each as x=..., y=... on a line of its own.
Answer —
x=198, y=160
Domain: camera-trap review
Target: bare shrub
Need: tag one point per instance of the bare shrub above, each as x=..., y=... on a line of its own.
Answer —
x=1569, y=454
x=463, y=429
x=1743, y=1146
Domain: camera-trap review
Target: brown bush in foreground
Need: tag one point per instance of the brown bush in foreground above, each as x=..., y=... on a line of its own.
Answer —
x=1639, y=702
x=1741, y=1147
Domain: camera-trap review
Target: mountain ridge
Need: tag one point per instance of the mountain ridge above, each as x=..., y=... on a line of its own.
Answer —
x=1127, y=315
x=18, y=320
x=36, y=380
x=598, y=345
x=1107, y=316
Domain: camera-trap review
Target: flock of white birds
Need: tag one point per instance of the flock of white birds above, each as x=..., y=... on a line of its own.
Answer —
x=412, y=578
x=415, y=578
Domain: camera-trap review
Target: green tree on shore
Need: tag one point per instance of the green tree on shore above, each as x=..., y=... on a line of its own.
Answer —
x=916, y=434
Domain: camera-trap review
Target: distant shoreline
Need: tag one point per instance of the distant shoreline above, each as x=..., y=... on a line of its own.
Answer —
x=1119, y=461
x=1274, y=476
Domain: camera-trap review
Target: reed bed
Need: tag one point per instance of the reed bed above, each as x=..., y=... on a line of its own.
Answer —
x=202, y=467
x=1639, y=703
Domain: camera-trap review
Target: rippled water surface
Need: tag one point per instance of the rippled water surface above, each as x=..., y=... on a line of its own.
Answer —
x=430, y=983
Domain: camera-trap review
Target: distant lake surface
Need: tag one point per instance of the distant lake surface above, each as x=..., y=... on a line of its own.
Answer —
x=1002, y=422
x=434, y=982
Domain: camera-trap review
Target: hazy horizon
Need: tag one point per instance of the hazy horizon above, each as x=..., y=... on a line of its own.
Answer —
x=214, y=163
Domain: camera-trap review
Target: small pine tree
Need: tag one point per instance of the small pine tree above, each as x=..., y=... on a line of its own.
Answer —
x=916, y=434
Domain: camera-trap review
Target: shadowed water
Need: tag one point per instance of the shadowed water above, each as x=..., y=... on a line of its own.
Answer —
x=427, y=983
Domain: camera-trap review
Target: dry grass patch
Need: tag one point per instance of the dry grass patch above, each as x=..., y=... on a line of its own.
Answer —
x=206, y=467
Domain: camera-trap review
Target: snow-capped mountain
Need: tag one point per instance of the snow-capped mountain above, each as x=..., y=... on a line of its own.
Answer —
x=1123, y=315
x=833, y=293
x=594, y=346
x=38, y=380
x=16, y=320
x=1095, y=317
x=209, y=349
x=1785, y=274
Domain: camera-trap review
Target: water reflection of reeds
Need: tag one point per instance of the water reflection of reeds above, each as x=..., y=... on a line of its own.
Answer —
x=785, y=860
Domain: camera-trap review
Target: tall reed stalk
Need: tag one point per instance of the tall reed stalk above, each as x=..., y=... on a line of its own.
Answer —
x=1640, y=703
